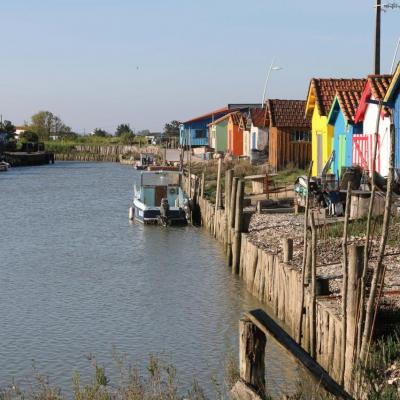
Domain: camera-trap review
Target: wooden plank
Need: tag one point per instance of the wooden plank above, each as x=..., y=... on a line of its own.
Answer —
x=270, y=327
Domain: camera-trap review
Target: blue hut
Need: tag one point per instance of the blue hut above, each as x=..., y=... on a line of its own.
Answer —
x=194, y=132
x=392, y=100
x=341, y=118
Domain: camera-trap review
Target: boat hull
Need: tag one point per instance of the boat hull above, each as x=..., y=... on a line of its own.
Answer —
x=152, y=215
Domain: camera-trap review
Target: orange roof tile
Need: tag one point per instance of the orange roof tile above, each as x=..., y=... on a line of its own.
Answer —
x=325, y=91
x=349, y=101
x=379, y=85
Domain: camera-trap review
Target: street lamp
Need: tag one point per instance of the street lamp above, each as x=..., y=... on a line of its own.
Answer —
x=271, y=68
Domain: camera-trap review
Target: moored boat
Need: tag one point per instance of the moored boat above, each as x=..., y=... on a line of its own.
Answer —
x=4, y=166
x=146, y=159
x=159, y=199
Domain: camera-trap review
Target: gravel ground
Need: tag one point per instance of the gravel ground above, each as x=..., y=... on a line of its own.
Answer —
x=267, y=231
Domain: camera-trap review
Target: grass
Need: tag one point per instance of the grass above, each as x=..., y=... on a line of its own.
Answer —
x=159, y=381
x=67, y=146
x=241, y=169
x=385, y=353
x=358, y=228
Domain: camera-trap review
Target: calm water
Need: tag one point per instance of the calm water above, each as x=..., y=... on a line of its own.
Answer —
x=76, y=277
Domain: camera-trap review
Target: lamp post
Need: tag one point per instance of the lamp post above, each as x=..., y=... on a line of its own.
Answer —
x=377, y=42
x=271, y=68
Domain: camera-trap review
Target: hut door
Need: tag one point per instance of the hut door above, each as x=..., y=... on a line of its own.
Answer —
x=342, y=154
x=319, y=154
x=161, y=192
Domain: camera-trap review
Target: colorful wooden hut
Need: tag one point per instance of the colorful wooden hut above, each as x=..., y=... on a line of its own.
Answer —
x=255, y=139
x=194, y=132
x=392, y=100
x=236, y=124
x=289, y=134
x=367, y=114
x=341, y=118
x=218, y=132
x=320, y=96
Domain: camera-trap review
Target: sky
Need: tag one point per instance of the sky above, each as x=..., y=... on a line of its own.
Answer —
x=99, y=63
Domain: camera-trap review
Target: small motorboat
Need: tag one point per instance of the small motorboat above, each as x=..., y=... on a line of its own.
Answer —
x=146, y=159
x=159, y=199
x=4, y=166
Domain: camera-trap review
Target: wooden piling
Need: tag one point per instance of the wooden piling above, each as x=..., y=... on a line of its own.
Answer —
x=345, y=282
x=228, y=185
x=252, y=342
x=217, y=195
x=287, y=248
x=354, y=274
x=307, y=275
x=238, y=228
x=231, y=223
x=313, y=311
x=203, y=182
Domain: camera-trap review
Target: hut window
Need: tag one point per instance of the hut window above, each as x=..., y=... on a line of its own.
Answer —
x=300, y=136
x=200, y=134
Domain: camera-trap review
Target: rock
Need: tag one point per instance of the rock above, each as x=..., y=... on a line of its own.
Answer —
x=242, y=391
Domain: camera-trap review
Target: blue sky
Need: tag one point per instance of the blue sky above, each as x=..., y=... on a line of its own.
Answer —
x=97, y=63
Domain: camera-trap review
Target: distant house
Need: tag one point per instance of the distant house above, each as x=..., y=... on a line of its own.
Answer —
x=255, y=135
x=194, y=132
x=154, y=137
x=19, y=130
x=289, y=134
x=341, y=118
x=367, y=113
x=218, y=132
x=321, y=94
x=392, y=99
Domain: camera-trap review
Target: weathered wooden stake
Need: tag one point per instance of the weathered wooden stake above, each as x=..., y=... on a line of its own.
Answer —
x=203, y=182
x=287, y=247
x=313, y=305
x=238, y=227
x=231, y=224
x=345, y=282
x=252, y=342
x=305, y=253
x=217, y=195
x=228, y=185
x=307, y=275
x=353, y=291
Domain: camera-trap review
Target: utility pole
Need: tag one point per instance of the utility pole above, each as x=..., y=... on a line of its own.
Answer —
x=377, y=61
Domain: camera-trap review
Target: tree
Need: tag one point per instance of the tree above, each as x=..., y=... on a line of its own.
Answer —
x=7, y=133
x=8, y=127
x=28, y=136
x=123, y=128
x=127, y=137
x=172, y=128
x=46, y=124
x=100, y=132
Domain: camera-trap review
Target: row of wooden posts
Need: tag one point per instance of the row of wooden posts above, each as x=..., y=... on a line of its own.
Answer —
x=233, y=214
x=345, y=354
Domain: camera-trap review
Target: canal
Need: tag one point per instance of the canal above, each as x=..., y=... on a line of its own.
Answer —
x=77, y=278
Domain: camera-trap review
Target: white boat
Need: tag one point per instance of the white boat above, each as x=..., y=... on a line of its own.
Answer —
x=4, y=166
x=159, y=198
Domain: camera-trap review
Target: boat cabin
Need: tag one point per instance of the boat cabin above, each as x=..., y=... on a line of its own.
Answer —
x=157, y=185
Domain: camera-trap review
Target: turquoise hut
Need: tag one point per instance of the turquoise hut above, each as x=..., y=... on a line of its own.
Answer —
x=341, y=118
